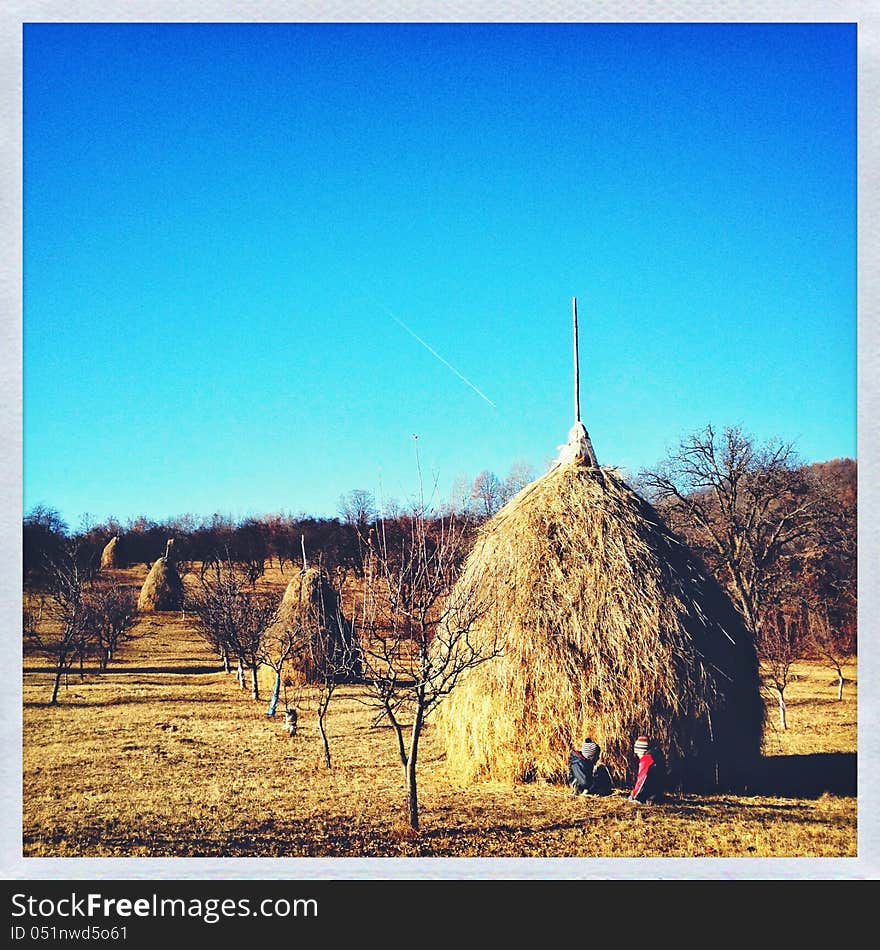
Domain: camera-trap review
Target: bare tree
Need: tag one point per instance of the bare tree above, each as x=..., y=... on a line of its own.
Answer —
x=233, y=618
x=336, y=661
x=44, y=535
x=459, y=504
x=417, y=638
x=831, y=647
x=742, y=505
x=69, y=612
x=320, y=646
x=829, y=575
x=521, y=473
x=487, y=493
x=358, y=509
x=250, y=549
x=778, y=649
x=114, y=613
x=276, y=647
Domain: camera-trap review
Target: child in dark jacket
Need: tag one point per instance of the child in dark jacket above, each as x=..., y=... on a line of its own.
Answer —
x=651, y=778
x=585, y=775
x=581, y=765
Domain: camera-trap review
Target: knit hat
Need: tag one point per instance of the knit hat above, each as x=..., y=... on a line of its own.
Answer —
x=590, y=751
x=641, y=744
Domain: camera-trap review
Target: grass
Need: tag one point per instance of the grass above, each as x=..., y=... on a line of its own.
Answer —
x=179, y=763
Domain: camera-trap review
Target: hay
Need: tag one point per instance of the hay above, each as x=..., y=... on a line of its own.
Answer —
x=310, y=609
x=110, y=554
x=163, y=588
x=611, y=628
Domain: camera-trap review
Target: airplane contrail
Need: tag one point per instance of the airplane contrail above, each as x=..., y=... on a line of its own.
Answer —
x=433, y=352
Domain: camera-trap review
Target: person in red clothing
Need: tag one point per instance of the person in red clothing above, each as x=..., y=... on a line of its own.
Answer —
x=651, y=778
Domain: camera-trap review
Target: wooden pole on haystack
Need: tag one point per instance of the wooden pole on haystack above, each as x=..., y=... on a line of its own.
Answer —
x=579, y=446
x=577, y=391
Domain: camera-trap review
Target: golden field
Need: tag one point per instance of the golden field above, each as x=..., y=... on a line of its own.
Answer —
x=162, y=755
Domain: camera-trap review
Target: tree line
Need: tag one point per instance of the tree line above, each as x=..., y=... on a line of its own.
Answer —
x=779, y=535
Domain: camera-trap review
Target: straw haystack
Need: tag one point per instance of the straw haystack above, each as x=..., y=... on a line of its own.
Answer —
x=610, y=627
x=311, y=611
x=163, y=588
x=110, y=554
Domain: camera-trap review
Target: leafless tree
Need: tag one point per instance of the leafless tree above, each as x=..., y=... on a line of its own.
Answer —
x=322, y=653
x=391, y=509
x=277, y=645
x=521, y=473
x=744, y=506
x=459, y=504
x=417, y=638
x=233, y=618
x=358, y=509
x=778, y=649
x=250, y=549
x=335, y=661
x=830, y=646
x=68, y=610
x=829, y=572
x=29, y=625
x=114, y=613
x=487, y=493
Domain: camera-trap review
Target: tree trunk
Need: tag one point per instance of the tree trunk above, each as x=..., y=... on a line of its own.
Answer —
x=255, y=686
x=276, y=692
x=240, y=674
x=324, y=739
x=225, y=660
x=54, y=700
x=839, y=686
x=412, y=793
x=782, y=722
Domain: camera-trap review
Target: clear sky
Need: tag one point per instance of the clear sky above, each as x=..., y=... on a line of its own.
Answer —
x=259, y=258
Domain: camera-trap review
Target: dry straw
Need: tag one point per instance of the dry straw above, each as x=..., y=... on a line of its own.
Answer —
x=311, y=611
x=110, y=554
x=612, y=628
x=163, y=588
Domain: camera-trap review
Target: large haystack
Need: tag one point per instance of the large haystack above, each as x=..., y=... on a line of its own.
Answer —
x=163, y=588
x=611, y=628
x=110, y=554
x=310, y=609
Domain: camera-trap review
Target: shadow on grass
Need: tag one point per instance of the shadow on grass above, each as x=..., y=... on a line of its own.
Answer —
x=76, y=701
x=825, y=701
x=126, y=670
x=805, y=776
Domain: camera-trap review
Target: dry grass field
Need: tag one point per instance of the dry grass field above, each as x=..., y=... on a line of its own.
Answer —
x=163, y=756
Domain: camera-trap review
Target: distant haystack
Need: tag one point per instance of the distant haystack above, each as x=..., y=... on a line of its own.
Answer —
x=310, y=609
x=163, y=588
x=611, y=628
x=110, y=554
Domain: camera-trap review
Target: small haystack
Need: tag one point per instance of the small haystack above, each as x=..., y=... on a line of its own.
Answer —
x=163, y=588
x=611, y=627
x=110, y=554
x=310, y=609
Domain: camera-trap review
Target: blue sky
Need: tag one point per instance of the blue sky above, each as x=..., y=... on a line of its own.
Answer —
x=227, y=228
